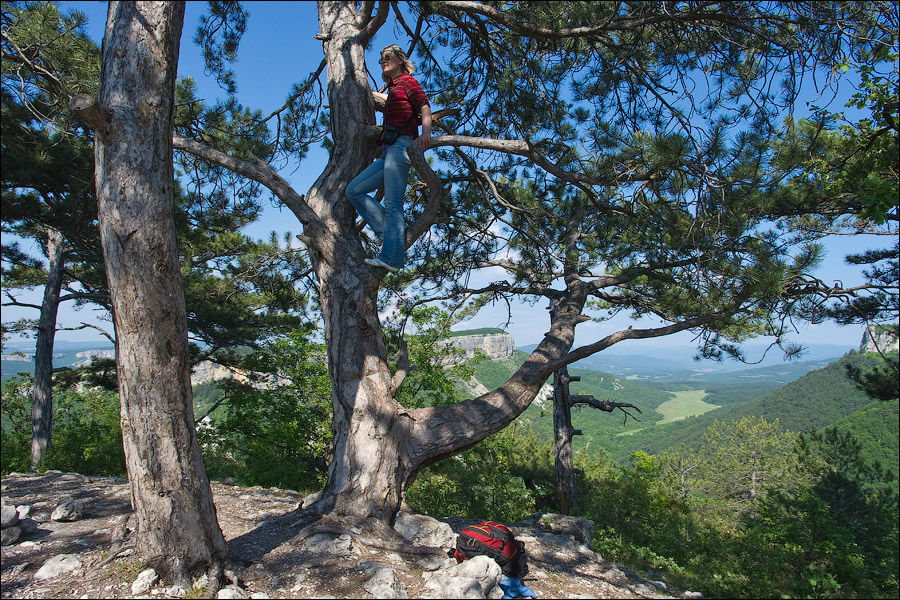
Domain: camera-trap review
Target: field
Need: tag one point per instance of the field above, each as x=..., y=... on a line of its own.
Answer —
x=688, y=403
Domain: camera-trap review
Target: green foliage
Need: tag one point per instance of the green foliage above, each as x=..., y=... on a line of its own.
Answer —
x=274, y=430
x=486, y=482
x=87, y=437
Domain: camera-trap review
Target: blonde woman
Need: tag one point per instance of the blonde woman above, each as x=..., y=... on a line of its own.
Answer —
x=403, y=104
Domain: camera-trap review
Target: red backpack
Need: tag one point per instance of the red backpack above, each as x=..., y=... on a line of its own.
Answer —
x=496, y=541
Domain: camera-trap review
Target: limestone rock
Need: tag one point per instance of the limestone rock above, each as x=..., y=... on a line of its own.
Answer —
x=232, y=591
x=475, y=578
x=384, y=583
x=324, y=543
x=67, y=510
x=145, y=580
x=580, y=528
x=10, y=535
x=9, y=516
x=59, y=564
x=424, y=531
x=495, y=345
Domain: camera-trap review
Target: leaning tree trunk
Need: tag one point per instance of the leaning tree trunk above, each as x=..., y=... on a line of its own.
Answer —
x=42, y=392
x=176, y=519
x=379, y=446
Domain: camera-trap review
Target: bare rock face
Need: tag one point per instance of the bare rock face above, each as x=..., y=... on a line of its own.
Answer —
x=495, y=345
x=878, y=338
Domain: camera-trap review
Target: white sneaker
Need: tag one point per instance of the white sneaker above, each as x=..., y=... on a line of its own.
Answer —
x=377, y=262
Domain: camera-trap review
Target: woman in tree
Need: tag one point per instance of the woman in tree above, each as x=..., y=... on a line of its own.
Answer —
x=403, y=103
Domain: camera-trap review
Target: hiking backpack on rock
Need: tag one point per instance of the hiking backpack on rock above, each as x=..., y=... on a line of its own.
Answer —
x=496, y=541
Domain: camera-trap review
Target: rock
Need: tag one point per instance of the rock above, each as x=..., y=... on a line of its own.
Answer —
x=692, y=595
x=433, y=563
x=53, y=567
x=424, y=530
x=260, y=595
x=384, y=583
x=660, y=585
x=27, y=526
x=146, y=579
x=67, y=510
x=494, y=345
x=578, y=527
x=201, y=582
x=10, y=536
x=9, y=516
x=232, y=591
x=474, y=578
x=324, y=543
x=24, y=511
x=176, y=591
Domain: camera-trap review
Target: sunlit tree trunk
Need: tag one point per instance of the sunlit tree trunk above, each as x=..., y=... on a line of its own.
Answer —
x=176, y=519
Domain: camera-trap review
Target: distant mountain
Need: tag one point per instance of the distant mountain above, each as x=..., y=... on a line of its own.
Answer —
x=678, y=364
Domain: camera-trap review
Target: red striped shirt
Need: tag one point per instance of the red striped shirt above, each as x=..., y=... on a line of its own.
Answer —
x=405, y=95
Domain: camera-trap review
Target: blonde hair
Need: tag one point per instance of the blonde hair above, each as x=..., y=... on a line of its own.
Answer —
x=405, y=64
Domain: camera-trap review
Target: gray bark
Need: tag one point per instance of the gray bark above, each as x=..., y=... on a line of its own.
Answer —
x=176, y=519
x=42, y=392
x=566, y=492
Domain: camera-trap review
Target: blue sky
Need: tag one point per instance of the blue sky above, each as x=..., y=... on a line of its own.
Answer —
x=278, y=50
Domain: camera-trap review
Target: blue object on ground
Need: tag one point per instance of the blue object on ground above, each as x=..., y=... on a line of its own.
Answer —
x=514, y=588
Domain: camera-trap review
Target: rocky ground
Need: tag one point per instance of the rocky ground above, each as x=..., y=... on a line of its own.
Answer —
x=59, y=547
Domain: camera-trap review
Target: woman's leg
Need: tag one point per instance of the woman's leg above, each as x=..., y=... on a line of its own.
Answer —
x=396, y=176
x=371, y=178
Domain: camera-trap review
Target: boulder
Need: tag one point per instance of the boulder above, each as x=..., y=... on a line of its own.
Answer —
x=10, y=535
x=324, y=543
x=53, y=567
x=423, y=530
x=384, y=583
x=67, y=510
x=232, y=591
x=146, y=579
x=9, y=516
x=475, y=578
x=580, y=528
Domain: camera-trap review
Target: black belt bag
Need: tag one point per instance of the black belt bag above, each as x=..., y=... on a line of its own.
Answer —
x=391, y=132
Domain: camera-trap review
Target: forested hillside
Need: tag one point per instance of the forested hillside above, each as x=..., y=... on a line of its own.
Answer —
x=818, y=399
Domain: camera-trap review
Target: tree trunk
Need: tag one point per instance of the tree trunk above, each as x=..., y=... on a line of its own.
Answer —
x=176, y=519
x=42, y=392
x=566, y=492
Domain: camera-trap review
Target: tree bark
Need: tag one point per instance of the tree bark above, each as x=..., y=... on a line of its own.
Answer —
x=176, y=520
x=42, y=392
x=566, y=492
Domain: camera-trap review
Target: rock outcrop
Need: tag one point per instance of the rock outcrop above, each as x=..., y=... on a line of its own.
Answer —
x=495, y=346
x=879, y=338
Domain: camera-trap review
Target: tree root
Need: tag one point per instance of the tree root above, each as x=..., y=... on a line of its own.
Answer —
x=370, y=532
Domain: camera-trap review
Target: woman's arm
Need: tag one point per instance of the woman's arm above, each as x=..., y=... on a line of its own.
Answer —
x=424, y=140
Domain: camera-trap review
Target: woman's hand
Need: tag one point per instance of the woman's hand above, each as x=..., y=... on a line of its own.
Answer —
x=424, y=140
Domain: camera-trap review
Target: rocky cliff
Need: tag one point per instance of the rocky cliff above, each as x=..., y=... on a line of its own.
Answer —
x=879, y=337
x=494, y=345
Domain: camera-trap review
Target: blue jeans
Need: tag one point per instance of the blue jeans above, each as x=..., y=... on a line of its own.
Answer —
x=391, y=169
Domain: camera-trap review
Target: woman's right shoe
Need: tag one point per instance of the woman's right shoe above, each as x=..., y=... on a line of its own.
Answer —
x=377, y=262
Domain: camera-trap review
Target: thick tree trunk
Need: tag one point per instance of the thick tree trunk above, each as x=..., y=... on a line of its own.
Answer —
x=42, y=392
x=566, y=493
x=176, y=519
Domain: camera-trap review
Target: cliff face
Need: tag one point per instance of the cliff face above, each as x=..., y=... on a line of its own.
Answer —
x=494, y=345
x=879, y=338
